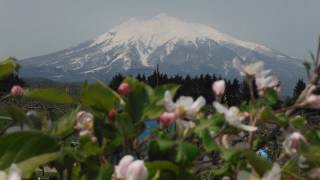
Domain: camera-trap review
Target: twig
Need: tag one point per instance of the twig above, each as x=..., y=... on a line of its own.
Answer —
x=310, y=86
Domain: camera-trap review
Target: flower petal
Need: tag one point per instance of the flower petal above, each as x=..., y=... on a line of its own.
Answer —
x=195, y=107
x=184, y=101
x=248, y=127
x=273, y=174
x=182, y=124
x=137, y=171
x=14, y=173
x=219, y=107
x=237, y=65
x=168, y=102
x=122, y=168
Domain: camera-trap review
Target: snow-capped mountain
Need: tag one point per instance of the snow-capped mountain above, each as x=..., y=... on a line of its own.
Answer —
x=178, y=47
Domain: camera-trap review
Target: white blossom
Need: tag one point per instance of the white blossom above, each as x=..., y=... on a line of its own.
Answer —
x=312, y=101
x=264, y=80
x=185, y=108
x=293, y=142
x=248, y=69
x=84, y=123
x=273, y=174
x=130, y=169
x=14, y=173
x=234, y=117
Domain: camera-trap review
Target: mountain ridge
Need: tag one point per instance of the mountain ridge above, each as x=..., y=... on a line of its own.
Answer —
x=178, y=47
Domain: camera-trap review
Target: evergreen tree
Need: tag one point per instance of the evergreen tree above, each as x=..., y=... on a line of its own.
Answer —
x=298, y=89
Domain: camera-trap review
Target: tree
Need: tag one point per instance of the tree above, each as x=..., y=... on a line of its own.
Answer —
x=298, y=89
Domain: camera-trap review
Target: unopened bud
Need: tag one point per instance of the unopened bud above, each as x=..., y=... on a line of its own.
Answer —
x=112, y=115
x=167, y=118
x=16, y=90
x=218, y=87
x=124, y=89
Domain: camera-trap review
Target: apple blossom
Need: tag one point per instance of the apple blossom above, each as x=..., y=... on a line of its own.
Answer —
x=264, y=80
x=130, y=169
x=122, y=168
x=293, y=142
x=14, y=173
x=248, y=69
x=315, y=173
x=137, y=171
x=84, y=123
x=312, y=101
x=185, y=109
x=234, y=117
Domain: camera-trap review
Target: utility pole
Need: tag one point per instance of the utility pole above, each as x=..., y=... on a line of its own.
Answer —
x=157, y=75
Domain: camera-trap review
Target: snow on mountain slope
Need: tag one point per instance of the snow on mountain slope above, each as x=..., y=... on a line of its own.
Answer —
x=178, y=47
x=162, y=29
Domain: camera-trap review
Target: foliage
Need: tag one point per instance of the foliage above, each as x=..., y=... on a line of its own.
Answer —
x=88, y=141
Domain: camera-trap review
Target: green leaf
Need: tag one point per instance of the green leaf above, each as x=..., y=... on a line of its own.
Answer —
x=260, y=165
x=231, y=155
x=215, y=123
x=207, y=141
x=312, y=154
x=51, y=95
x=267, y=115
x=65, y=125
x=271, y=96
x=166, y=168
x=105, y=172
x=162, y=150
x=221, y=171
x=155, y=107
x=137, y=100
x=282, y=119
x=99, y=96
x=291, y=168
x=186, y=152
x=16, y=113
x=88, y=147
x=298, y=122
x=28, y=166
x=18, y=147
x=125, y=126
x=7, y=67
x=152, y=111
x=313, y=136
x=160, y=90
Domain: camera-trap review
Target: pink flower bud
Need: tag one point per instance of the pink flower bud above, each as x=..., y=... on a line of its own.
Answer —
x=124, y=89
x=16, y=90
x=166, y=119
x=112, y=115
x=137, y=171
x=313, y=101
x=218, y=87
x=122, y=168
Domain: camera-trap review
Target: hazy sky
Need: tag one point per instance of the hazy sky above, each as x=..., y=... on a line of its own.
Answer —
x=35, y=27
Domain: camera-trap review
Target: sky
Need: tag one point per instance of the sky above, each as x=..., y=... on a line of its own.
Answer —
x=35, y=27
